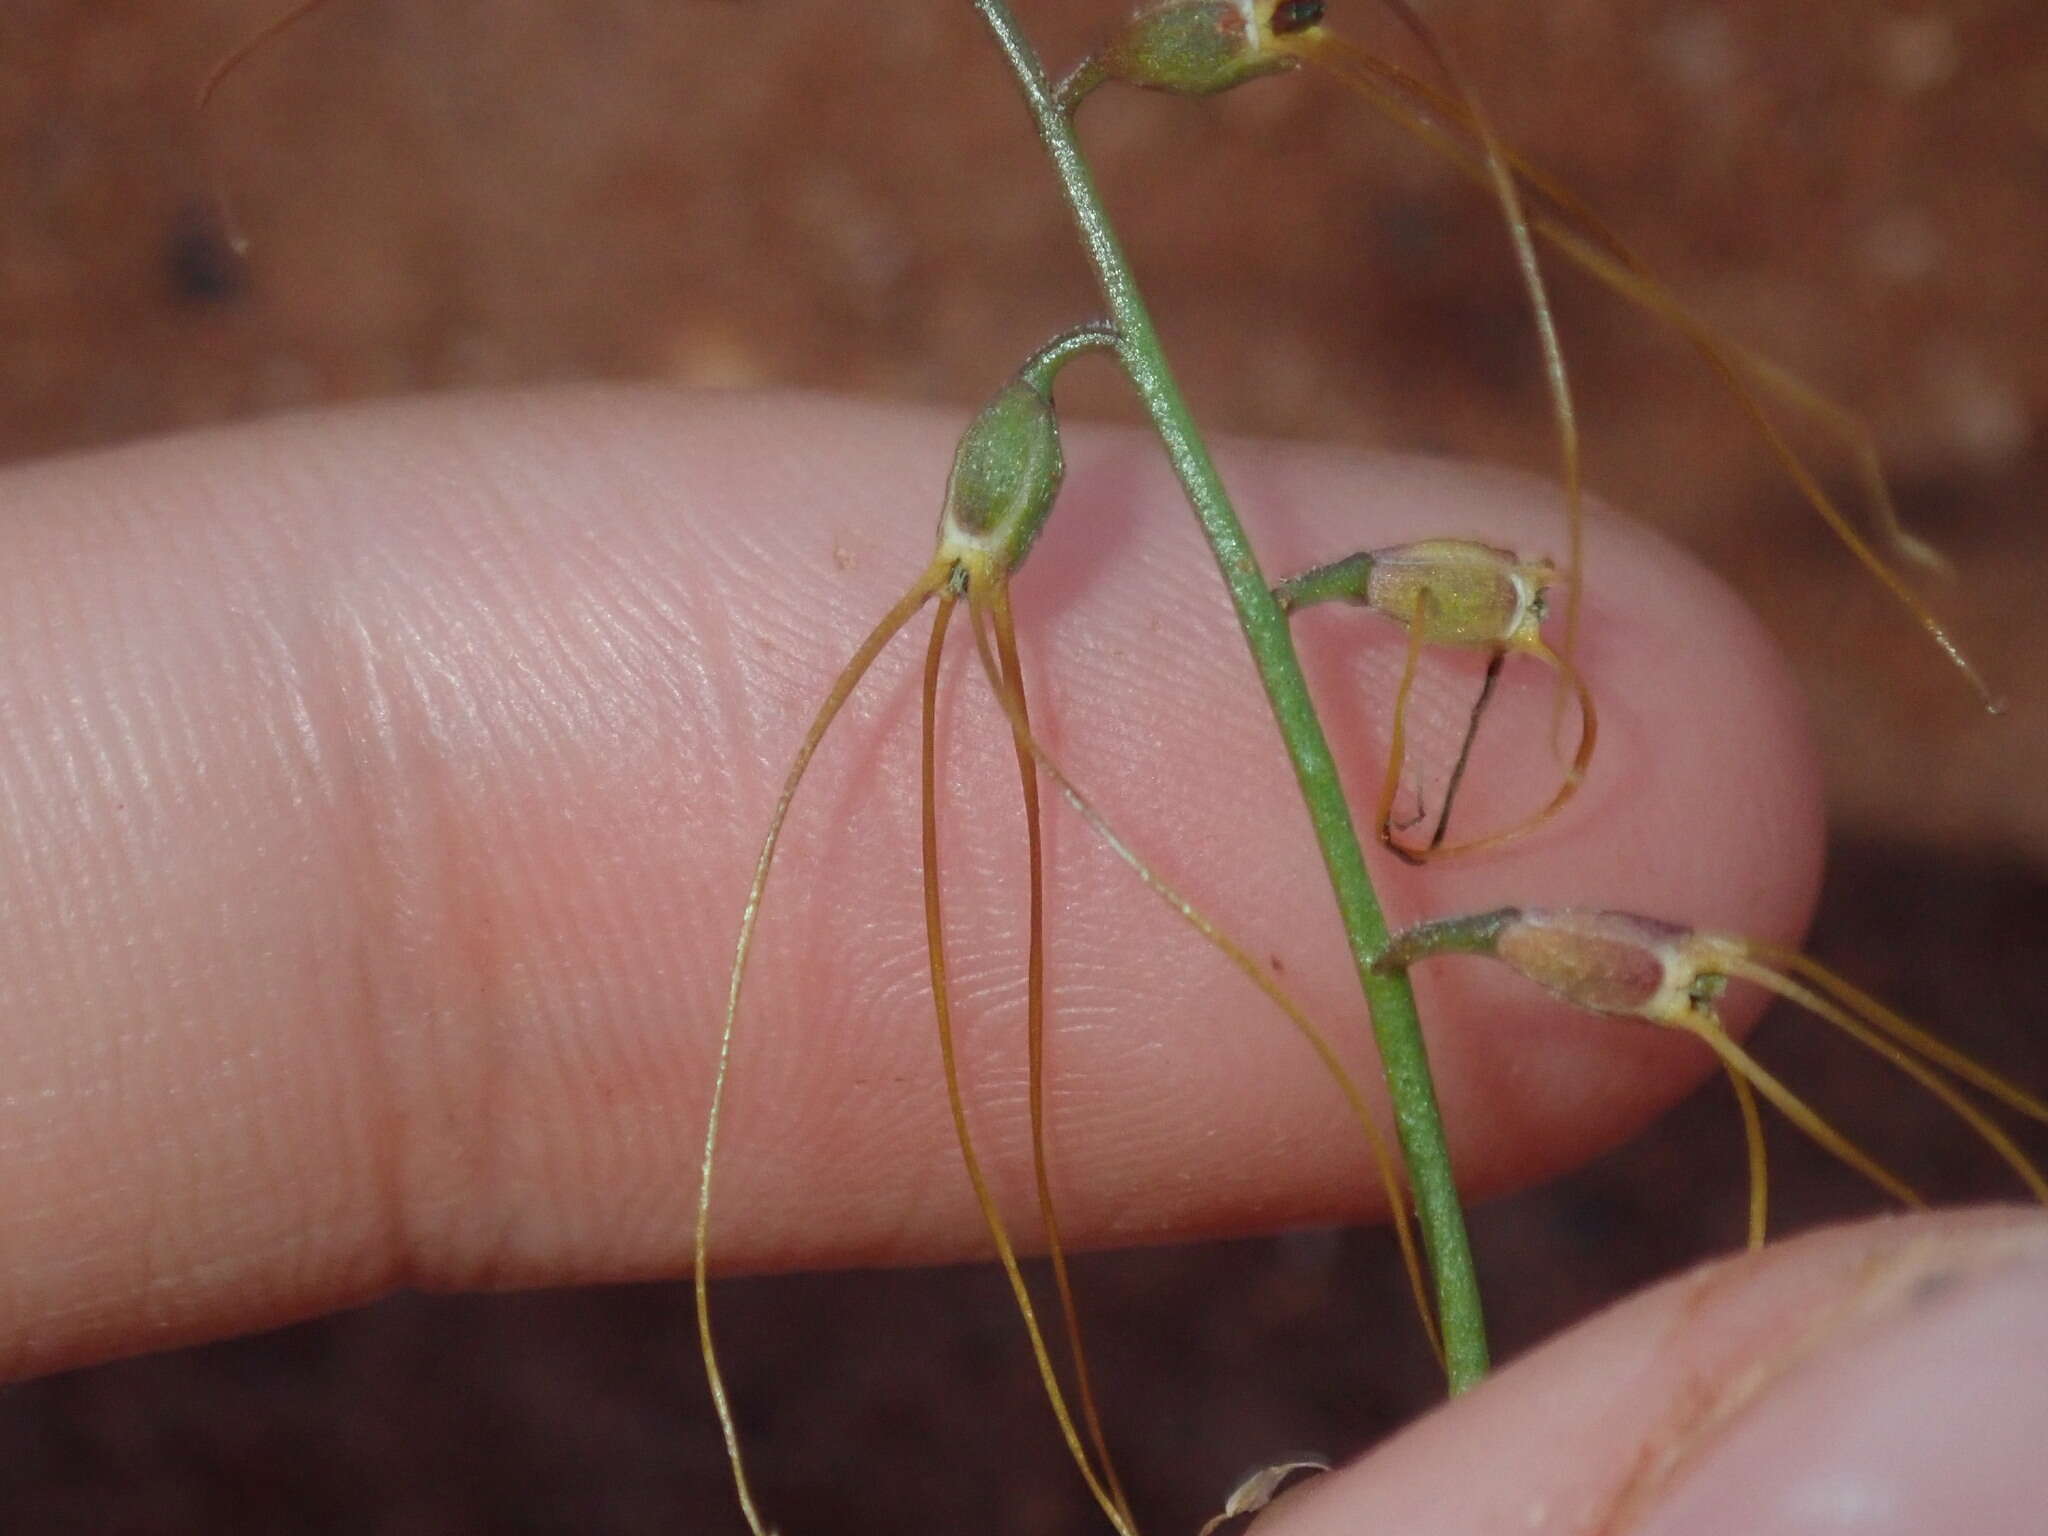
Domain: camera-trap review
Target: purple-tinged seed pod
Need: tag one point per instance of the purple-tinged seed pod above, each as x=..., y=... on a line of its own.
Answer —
x=1610, y=962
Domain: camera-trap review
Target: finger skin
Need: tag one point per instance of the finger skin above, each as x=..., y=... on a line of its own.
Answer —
x=379, y=794
x=1881, y=1379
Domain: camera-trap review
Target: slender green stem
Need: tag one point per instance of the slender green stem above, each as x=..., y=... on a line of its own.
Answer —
x=1391, y=1002
x=1044, y=365
x=1348, y=580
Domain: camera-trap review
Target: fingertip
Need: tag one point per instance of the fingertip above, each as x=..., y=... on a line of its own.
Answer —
x=436, y=741
x=1701, y=805
x=1785, y=1391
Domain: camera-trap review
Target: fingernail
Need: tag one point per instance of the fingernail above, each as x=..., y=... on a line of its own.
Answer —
x=1930, y=1415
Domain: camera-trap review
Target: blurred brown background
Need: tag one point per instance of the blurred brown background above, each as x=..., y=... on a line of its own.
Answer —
x=718, y=193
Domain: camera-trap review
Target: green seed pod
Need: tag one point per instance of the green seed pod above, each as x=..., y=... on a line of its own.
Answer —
x=1006, y=473
x=1476, y=594
x=1192, y=47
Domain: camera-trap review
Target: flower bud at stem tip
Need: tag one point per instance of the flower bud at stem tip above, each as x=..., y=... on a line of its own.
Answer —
x=1193, y=47
x=1006, y=474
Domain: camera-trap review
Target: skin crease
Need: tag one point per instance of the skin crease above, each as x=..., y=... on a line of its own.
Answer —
x=380, y=792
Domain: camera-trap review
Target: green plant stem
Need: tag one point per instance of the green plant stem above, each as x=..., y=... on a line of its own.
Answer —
x=1044, y=365
x=1395, y=1023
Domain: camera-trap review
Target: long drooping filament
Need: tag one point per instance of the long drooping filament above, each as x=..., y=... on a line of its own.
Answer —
x=1397, y=747
x=1754, y=1154
x=842, y=689
x=1900, y=1029
x=1002, y=679
x=1495, y=662
x=1357, y=67
x=1739, y=1063
x=942, y=1006
x=1055, y=1248
x=209, y=89
x=1910, y=1049
x=1930, y=1062
x=1002, y=666
x=1448, y=126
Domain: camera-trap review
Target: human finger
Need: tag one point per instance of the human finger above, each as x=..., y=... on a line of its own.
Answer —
x=1881, y=1378
x=381, y=791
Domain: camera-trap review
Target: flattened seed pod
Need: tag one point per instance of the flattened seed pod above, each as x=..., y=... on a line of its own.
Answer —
x=1644, y=968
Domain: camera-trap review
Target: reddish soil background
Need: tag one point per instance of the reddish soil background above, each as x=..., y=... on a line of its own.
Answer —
x=732, y=193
